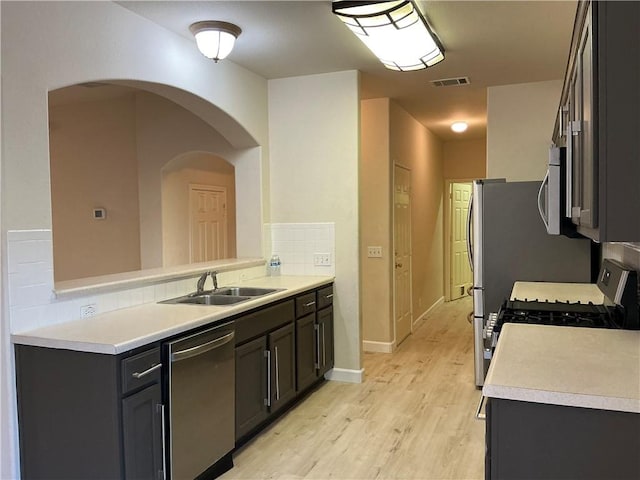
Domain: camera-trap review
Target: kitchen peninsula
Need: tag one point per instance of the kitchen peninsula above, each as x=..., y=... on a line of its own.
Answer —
x=563, y=403
x=123, y=394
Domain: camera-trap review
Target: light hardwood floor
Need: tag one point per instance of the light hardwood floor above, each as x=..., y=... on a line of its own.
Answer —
x=412, y=417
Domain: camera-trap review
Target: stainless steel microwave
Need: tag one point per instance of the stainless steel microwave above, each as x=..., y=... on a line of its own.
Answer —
x=552, y=195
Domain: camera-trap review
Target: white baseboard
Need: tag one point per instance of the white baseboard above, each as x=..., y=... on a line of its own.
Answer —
x=421, y=318
x=345, y=375
x=378, y=347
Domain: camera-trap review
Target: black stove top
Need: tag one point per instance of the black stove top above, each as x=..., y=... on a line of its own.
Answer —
x=559, y=314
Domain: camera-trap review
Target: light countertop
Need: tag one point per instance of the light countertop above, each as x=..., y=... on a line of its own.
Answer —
x=581, y=367
x=123, y=330
x=557, y=292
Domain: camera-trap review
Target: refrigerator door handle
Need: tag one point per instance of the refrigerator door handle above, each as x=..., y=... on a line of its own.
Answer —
x=469, y=224
x=544, y=184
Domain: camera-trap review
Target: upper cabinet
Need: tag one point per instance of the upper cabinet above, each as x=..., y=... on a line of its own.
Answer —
x=599, y=122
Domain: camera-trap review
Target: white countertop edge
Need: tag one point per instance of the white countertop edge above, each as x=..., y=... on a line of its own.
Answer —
x=118, y=281
x=214, y=315
x=562, y=398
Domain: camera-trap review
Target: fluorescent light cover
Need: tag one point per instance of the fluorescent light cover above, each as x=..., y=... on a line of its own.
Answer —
x=459, y=127
x=395, y=31
x=215, y=39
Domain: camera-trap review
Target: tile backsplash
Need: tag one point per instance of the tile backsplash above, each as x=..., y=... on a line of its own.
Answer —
x=33, y=302
x=297, y=244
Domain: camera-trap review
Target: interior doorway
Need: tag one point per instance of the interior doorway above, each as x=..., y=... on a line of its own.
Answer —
x=208, y=223
x=458, y=275
x=402, y=308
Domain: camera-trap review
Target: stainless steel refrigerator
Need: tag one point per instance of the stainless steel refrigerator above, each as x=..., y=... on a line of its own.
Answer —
x=509, y=242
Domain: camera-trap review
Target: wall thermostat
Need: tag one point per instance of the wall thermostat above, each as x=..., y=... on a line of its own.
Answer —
x=99, y=213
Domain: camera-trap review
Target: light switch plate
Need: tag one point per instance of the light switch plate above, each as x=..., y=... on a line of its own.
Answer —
x=374, y=252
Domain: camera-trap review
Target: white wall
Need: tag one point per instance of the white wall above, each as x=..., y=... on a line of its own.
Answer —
x=520, y=122
x=48, y=45
x=314, y=178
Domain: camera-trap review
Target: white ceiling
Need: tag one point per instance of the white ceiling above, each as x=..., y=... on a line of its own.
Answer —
x=491, y=42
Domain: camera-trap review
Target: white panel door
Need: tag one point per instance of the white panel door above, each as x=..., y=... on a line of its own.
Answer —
x=208, y=223
x=461, y=276
x=402, y=253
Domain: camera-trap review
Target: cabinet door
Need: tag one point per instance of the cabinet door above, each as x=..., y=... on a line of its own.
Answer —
x=251, y=395
x=305, y=351
x=588, y=187
x=283, y=366
x=325, y=332
x=142, y=434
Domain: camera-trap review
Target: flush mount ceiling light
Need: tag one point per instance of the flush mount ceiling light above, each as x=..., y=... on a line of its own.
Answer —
x=215, y=39
x=395, y=31
x=459, y=127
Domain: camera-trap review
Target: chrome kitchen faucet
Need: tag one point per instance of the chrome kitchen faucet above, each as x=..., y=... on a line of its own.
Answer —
x=203, y=279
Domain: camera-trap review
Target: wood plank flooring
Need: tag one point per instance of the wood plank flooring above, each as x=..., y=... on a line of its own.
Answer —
x=412, y=417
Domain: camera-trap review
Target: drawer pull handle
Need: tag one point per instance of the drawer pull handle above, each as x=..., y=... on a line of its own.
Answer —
x=153, y=368
x=329, y=296
x=310, y=304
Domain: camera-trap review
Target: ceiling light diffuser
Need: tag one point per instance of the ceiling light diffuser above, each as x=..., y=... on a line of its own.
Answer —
x=459, y=127
x=215, y=39
x=395, y=31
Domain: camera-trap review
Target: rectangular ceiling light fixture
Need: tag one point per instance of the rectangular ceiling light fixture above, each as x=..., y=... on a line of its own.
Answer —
x=395, y=31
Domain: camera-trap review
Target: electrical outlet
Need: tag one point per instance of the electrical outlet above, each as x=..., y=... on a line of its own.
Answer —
x=374, y=252
x=321, y=259
x=88, y=310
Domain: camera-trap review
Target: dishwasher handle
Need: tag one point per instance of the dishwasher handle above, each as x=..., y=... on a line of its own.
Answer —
x=200, y=349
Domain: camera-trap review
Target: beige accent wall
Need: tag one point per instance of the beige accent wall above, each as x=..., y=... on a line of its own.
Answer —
x=93, y=165
x=465, y=159
x=520, y=122
x=314, y=138
x=195, y=168
x=376, y=281
x=416, y=148
x=110, y=153
x=389, y=136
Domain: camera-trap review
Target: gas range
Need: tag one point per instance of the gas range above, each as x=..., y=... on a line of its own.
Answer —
x=617, y=307
x=560, y=314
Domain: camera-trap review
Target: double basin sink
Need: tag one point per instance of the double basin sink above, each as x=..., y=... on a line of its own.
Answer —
x=223, y=296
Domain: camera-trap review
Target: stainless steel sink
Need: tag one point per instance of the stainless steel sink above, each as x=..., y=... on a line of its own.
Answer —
x=245, y=291
x=211, y=299
x=223, y=296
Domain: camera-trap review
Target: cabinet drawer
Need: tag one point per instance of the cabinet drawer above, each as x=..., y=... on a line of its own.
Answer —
x=141, y=369
x=325, y=296
x=305, y=304
x=258, y=323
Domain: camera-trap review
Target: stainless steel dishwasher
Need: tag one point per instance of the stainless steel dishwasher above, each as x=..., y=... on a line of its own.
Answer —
x=201, y=390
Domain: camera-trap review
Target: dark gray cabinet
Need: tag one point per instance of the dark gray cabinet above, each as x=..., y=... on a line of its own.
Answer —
x=599, y=121
x=251, y=386
x=549, y=442
x=283, y=367
x=142, y=434
x=314, y=330
x=306, y=351
x=281, y=352
x=265, y=365
x=88, y=415
x=324, y=332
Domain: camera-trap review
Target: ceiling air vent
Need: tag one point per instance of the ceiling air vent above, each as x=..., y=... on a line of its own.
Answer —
x=451, y=82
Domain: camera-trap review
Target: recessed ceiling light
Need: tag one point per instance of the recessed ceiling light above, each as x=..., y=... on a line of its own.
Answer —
x=459, y=127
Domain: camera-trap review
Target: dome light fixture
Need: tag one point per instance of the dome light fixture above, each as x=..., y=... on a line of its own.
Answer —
x=395, y=31
x=215, y=39
x=459, y=127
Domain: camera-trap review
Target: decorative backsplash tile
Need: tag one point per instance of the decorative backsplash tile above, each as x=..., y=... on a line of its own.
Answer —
x=297, y=244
